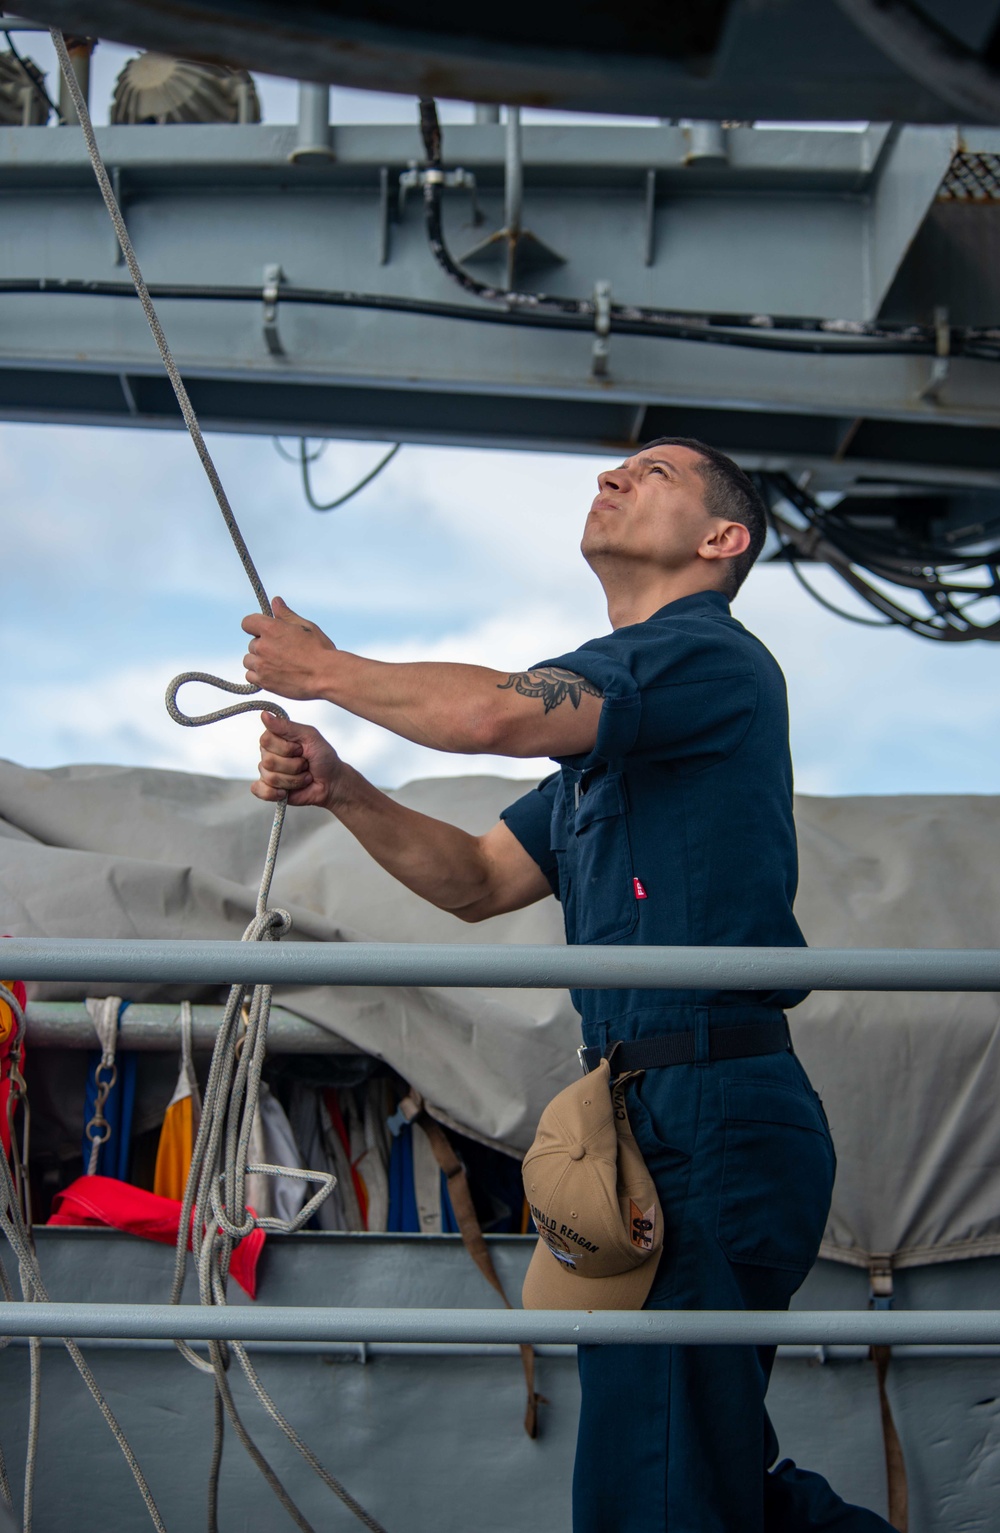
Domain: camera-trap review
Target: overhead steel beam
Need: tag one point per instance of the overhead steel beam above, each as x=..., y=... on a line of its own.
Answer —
x=543, y=968
x=822, y=224
x=735, y=59
x=188, y=1322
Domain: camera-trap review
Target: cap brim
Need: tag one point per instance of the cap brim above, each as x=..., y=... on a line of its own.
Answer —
x=548, y=1284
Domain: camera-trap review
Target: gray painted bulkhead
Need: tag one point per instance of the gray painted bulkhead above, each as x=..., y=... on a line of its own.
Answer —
x=433, y=1443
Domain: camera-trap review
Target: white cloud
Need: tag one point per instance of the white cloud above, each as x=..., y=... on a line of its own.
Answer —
x=875, y=711
x=124, y=575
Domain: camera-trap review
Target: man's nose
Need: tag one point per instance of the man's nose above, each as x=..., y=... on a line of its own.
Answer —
x=612, y=479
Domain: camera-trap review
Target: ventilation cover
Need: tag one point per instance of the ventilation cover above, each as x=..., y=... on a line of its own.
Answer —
x=155, y=88
x=22, y=101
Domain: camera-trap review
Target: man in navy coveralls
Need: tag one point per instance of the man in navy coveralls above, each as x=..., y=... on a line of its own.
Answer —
x=669, y=821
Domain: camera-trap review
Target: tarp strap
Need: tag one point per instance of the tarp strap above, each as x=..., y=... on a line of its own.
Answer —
x=880, y=1274
x=471, y=1232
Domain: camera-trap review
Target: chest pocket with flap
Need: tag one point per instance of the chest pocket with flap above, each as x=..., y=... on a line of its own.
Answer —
x=591, y=843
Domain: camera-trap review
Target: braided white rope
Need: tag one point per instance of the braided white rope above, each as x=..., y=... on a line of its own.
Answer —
x=152, y=319
x=233, y=1091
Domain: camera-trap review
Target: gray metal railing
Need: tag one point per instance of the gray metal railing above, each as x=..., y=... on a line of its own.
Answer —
x=534, y=968
x=191, y=1322
x=301, y=963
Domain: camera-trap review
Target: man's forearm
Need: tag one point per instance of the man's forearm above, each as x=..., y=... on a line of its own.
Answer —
x=440, y=862
x=449, y=707
x=468, y=709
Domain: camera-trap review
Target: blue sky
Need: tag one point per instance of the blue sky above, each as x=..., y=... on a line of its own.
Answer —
x=118, y=573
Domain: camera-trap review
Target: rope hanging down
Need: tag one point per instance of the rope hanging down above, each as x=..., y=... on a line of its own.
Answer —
x=214, y=1210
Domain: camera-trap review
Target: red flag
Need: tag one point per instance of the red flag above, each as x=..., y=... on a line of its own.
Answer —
x=104, y=1201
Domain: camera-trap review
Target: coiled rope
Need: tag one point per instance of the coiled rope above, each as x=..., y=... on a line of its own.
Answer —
x=214, y=1213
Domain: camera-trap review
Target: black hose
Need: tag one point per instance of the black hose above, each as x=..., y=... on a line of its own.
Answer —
x=340, y=500
x=761, y=332
x=711, y=329
x=829, y=537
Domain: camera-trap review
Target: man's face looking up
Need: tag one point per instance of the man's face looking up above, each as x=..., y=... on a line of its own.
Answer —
x=652, y=510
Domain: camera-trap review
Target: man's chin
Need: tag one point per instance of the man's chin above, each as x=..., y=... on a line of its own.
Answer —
x=599, y=544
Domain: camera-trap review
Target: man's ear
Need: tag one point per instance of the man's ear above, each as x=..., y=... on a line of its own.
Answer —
x=726, y=540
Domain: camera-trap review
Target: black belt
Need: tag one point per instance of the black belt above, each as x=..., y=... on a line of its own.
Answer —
x=679, y=1048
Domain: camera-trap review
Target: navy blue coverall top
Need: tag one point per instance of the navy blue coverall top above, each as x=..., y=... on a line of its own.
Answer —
x=677, y=827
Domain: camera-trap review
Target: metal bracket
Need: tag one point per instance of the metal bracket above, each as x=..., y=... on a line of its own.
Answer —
x=941, y=365
x=414, y=180
x=880, y=1279
x=273, y=276
x=513, y=244
x=649, y=240
x=602, y=329
x=384, y=216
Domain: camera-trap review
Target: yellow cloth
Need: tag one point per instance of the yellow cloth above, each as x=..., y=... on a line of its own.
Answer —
x=173, y=1155
x=6, y=1015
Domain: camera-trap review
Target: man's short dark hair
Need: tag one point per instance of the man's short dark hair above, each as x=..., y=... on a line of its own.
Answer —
x=729, y=494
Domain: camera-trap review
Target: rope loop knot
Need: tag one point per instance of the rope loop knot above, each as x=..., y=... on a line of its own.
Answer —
x=242, y=689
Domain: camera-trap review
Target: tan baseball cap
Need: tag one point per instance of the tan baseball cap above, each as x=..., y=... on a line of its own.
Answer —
x=593, y=1202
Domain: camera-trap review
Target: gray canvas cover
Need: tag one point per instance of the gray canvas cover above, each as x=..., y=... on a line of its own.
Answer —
x=910, y=1082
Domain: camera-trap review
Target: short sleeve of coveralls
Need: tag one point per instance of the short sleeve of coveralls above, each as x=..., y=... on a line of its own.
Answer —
x=677, y=694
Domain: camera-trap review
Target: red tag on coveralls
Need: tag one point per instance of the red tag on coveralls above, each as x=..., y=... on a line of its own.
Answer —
x=640, y=892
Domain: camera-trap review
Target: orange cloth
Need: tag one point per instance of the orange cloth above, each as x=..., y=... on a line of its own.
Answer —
x=180, y=1121
x=173, y=1155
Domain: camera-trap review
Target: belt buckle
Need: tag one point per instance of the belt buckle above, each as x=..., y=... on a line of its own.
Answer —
x=581, y=1051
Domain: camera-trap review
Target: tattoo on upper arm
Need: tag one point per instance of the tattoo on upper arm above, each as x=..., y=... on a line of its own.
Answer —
x=552, y=684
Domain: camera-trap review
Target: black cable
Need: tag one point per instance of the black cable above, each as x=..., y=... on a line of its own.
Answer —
x=792, y=560
x=713, y=329
x=827, y=536
x=907, y=565
x=35, y=79
x=341, y=500
x=314, y=457
x=908, y=340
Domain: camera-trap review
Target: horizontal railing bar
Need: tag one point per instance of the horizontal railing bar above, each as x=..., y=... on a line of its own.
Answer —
x=103, y=961
x=500, y=1351
x=147, y=1026
x=363, y=1352
x=542, y=1327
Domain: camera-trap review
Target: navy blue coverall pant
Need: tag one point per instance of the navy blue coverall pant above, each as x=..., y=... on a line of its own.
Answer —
x=743, y=1162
